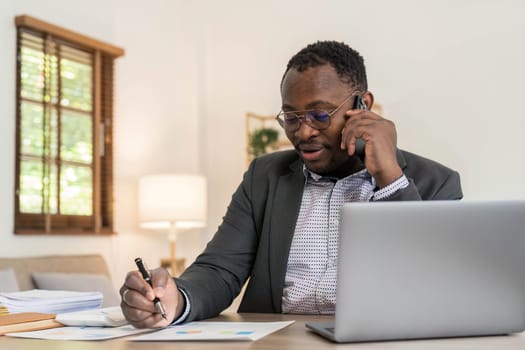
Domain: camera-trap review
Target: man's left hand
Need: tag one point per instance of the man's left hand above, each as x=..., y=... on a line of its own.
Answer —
x=380, y=137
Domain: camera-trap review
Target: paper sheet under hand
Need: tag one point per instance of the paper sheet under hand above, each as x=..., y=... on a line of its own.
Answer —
x=106, y=317
x=81, y=333
x=204, y=331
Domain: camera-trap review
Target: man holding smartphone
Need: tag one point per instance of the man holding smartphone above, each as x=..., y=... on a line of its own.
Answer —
x=281, y=228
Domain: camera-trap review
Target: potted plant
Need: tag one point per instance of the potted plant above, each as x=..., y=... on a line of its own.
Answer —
x=262, y=140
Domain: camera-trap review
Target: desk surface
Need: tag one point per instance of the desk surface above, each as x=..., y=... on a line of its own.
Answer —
x=295, y=336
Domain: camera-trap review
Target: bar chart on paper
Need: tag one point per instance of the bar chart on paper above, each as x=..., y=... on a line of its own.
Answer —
x=202, y=331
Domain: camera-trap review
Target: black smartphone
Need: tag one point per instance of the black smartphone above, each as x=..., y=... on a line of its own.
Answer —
x=360, y=143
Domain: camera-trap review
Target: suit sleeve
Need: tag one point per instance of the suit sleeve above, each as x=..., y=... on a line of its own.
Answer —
x=428, y=180
x=449, y=190
x=218, y=274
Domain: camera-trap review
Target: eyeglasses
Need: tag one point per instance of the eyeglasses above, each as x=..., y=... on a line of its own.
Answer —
x=316, y=118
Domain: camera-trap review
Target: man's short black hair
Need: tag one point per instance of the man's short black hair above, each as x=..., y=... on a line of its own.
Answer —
x=347, y=62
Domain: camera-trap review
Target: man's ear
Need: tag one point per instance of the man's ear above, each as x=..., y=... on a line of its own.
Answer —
x=368, y=98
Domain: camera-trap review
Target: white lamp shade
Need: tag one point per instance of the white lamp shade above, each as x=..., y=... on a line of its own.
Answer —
x=172, y=199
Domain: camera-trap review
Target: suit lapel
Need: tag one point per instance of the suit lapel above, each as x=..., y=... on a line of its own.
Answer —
x=285, y=210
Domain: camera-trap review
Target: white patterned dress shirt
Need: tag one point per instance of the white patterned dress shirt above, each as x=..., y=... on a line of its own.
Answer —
x=311, y=275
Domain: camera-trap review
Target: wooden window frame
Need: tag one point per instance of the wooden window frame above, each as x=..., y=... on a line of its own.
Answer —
x=104, y=55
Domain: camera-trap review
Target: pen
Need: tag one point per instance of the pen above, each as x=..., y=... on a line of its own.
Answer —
x=147, y=277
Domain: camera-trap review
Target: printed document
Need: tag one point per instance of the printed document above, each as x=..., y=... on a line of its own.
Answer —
x=81, y=333
x=202, y=331
x=195, y=331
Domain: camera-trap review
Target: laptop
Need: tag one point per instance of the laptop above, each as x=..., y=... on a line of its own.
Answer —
x=429, y=269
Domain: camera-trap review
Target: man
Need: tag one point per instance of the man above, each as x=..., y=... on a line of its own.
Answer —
x=281, y=228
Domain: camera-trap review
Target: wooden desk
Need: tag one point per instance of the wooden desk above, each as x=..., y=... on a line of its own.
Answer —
x=295, y=336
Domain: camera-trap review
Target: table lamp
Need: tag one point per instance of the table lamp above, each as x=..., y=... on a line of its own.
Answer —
x=172, y=203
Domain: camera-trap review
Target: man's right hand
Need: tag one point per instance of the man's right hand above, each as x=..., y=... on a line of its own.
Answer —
x=137, y=299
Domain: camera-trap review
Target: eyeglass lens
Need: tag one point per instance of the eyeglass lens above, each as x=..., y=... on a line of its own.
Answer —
x=316, y=119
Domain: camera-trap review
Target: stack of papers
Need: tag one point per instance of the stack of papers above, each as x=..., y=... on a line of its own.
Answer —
x=49, y=301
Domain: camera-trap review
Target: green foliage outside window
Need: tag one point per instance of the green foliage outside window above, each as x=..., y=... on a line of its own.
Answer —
x=56, y=143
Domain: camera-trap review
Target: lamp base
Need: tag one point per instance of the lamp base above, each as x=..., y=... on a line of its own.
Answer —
x=174, y=266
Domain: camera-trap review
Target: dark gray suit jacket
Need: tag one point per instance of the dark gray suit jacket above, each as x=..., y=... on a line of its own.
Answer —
x=256, y=233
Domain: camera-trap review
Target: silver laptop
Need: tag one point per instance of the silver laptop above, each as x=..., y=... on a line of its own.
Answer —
x=429, y=269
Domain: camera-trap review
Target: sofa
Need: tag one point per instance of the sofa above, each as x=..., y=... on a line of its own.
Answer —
x=64, y=272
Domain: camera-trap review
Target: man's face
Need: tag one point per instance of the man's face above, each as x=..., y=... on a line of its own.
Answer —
x=319, y=88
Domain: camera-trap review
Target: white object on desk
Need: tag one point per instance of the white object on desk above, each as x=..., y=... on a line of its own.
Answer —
x=105, y=317
x=50, y=301
x=80, y=333
x=203, y=331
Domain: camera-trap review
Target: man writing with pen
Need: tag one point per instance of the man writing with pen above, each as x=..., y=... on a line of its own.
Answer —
x=281, y=227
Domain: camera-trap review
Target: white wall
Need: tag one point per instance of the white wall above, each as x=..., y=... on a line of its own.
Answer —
x=91, y=19
x=448, y=73
x=155, y=123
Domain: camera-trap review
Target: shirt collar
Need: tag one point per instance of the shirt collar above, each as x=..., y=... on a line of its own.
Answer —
x=308, y=174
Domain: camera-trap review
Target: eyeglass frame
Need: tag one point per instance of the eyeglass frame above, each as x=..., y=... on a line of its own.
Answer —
x=301, y=115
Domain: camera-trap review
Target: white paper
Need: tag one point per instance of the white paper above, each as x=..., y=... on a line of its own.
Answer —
x=50, y=301
x=105, y=317
x=80, y=333
x=202, y=331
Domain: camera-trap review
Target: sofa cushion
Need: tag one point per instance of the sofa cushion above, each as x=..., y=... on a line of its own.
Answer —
x=25, y=266
x=8, y=281
x=80, y=282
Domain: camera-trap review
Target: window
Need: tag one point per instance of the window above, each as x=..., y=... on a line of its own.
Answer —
x=64, y=155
